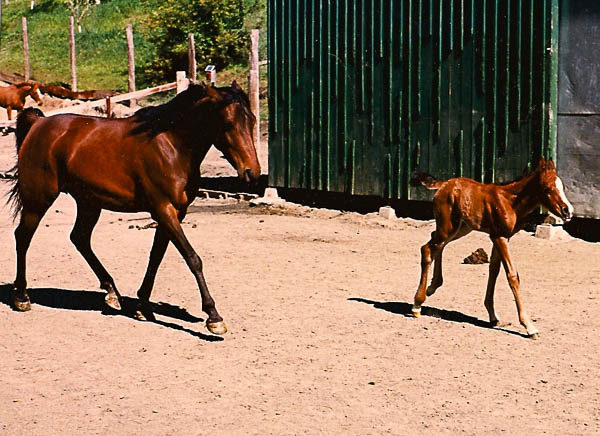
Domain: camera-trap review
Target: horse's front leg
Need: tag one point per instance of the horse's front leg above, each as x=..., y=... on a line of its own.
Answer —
x=501, y=244
x=157, y=253
x=491, y=285
x=159, y=247
x=167, y=217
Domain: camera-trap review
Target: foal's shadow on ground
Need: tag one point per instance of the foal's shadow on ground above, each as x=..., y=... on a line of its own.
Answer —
x=405, y=309
x=94, y=300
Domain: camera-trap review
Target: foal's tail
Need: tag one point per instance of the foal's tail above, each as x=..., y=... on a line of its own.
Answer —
x=25, y=120
x=427, y=180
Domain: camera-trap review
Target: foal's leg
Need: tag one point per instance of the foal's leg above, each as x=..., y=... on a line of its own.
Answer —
x=81, y=235
x=438, y=279
x=501, y=244
x=9, y=110
x=23, y=233
x=429, y=251
x=495, y=261
x=167, y=217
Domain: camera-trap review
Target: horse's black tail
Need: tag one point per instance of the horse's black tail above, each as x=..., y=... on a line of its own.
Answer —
x=25, y=120
x=427, y=180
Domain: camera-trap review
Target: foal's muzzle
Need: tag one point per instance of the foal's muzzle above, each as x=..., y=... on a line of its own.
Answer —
x=565, y=213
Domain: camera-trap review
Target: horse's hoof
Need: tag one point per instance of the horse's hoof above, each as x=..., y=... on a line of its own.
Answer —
x=416, y=314
x=216, y=328
x=22, y=306
x=144, y=315
x=534, y=336
x=112, y=301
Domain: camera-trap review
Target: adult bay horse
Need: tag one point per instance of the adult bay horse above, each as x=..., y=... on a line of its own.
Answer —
x=461, y=205
x=13, y=96
x=147, y=162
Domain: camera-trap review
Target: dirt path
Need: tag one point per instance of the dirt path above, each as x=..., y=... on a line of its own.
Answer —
x=319, y=342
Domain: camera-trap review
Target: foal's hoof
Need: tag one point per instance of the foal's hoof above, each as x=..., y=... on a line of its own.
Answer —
x=112, y=301
x=216, y=328
x=22, y=306
x=534, y=336
x=416, y=314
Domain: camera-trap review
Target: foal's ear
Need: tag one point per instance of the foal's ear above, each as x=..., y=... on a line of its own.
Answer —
x=235, y=86
x=546, y=164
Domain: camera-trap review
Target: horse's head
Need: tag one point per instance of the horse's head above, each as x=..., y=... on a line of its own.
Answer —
x=233, y=123
x=34, y=92
x=552, y=190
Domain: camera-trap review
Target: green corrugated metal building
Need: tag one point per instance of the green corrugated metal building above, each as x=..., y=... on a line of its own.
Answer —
x=364, y=93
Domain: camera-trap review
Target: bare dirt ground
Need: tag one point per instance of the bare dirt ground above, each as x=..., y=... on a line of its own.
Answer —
x=320, y=341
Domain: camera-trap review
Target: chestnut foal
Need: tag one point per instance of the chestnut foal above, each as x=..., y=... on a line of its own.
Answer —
x=13, y=96
x=462, y=205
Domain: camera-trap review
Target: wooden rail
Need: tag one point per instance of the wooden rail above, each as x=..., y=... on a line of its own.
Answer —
x=96, y=103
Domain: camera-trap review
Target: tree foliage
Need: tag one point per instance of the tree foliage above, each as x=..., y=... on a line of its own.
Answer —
x=79, y=9
x=218, y=27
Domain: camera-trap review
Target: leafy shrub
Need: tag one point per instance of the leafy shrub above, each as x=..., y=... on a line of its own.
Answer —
x=218, y=28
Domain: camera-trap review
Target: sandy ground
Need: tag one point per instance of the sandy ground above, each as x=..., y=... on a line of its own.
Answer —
x=320, y=340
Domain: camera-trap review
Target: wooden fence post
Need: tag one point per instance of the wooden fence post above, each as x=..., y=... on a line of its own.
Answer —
x=72, y=52
x=131, y=63
x=182, y=82
x=254, y=85
x=192, y=68
x=25, y=48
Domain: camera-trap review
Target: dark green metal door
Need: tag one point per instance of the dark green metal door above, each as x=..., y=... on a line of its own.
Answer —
x=363, y=93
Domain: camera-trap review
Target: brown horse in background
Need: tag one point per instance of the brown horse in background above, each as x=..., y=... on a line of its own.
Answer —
x=13, y=96
x=147, y=162
x=462, y=205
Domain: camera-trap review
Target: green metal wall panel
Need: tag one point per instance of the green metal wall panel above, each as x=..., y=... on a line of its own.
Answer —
x=364, y=93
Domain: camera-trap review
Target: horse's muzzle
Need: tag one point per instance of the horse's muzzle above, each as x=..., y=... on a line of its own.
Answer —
x=250, y=177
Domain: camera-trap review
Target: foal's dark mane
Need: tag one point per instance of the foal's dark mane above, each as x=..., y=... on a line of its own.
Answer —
x=164, y=117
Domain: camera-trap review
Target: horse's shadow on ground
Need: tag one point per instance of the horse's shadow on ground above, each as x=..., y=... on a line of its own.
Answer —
x=79, y=300
x=405, y=309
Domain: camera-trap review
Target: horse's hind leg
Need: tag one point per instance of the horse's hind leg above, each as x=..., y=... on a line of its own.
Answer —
x=23, y=235
x=429, y=251
x=81, y=235
x=438, y=278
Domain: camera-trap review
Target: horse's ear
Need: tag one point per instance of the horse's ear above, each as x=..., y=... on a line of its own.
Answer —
x=235, y=86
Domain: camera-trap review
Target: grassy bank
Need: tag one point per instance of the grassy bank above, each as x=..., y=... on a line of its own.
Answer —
x=101, y=47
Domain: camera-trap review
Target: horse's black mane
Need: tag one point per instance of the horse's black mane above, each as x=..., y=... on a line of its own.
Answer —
x=164, y=117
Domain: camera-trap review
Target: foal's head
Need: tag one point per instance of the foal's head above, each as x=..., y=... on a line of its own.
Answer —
x=552, y=192
x=30, y=89
x=232, y=125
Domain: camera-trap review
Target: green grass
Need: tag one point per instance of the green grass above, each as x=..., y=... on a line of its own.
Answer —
x=101, y=47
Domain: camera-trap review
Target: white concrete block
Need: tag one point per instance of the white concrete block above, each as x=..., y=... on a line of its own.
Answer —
x=271, y=194
x=387, y=212
x=546, y=231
